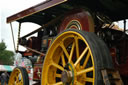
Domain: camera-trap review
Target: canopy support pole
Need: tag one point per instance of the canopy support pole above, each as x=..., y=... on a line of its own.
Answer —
x=18, y=37
x=13, y=37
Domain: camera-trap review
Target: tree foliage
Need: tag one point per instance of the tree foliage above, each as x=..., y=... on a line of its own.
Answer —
x=6, y=56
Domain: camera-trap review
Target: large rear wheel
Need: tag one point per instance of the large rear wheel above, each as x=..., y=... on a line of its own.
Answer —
x=75, y=58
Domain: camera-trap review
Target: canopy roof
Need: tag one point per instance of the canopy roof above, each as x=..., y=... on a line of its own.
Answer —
x=50, y=9
x=34, y=13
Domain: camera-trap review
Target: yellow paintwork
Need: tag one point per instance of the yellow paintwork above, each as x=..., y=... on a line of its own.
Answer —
x=63, y=49
x=16, y=77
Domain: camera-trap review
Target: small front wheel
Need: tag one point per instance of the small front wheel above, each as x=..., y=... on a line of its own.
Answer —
x=19, y=76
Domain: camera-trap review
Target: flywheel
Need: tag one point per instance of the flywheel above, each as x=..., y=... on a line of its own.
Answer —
x=19, y=76
x=75, y=58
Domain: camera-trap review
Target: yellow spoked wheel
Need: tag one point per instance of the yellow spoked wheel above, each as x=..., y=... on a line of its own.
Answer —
x=75, y=58
x=19, y=76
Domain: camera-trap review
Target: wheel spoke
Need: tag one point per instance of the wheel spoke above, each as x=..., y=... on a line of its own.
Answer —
x=57, y=66
x=19, y=83
x=17, y=77
x=71, y=53
x=81, y=56
x=77, y=46
x=16, y=73
x=58, y=75
x=64, y=49
x=63, y=60
x=85, y=71
x=58, y=83
x=78, y=83
x=17, y=80
x=88, y=79
x=86, y=60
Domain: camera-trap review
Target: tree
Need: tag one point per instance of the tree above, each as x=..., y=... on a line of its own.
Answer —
x=6, y=56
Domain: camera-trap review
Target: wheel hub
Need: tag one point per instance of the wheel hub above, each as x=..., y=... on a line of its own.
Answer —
x=66, y=76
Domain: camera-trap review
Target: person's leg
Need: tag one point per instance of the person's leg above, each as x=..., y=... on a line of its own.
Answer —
x=6, y=83
x=2, y=82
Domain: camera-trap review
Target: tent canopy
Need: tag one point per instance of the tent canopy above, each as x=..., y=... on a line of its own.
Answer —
x=7, y=68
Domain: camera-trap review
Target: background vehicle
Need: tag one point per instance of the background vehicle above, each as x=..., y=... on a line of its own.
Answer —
x=76, y=40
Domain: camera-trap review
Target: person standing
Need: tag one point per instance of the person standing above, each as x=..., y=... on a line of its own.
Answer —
x=4, y=78
x=0, y=80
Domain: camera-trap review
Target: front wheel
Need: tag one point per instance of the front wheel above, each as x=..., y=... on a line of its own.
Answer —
x=19, y=76
x=75, y=58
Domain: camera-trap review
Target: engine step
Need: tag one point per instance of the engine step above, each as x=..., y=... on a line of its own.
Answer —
x=111, y=77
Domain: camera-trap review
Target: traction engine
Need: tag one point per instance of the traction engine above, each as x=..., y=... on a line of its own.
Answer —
x=75, y=41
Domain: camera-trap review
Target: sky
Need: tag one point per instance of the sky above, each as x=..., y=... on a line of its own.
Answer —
x=10, y=7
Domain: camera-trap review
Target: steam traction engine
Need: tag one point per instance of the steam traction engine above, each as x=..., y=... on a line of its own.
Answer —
x=76, y=40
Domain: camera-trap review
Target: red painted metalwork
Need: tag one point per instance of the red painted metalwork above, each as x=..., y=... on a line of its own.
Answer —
x=27, y=53
x=34, y=43
x=82, y=17
x=120, y=60
x=37, y=71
